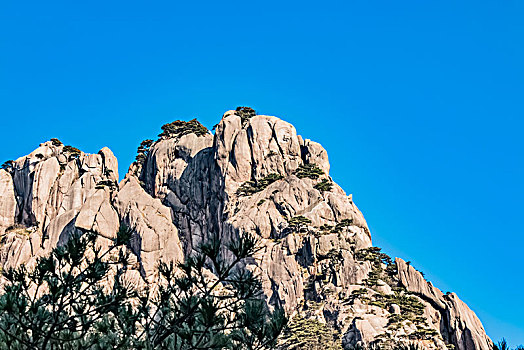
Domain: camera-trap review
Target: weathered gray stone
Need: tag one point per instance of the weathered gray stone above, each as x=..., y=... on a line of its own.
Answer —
x=45, y=175
x=414, y=282
x=314, y=153
x=186, y=188
x=8, y=206
x=466, y=330
x=50, y=189
x=156, y=238
x=265, y=145
x=110, y=162
x=460, y=325
x=98, y=215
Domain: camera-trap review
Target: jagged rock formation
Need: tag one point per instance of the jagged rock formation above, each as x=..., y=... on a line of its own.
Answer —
x=255, y=174
x=455, y=319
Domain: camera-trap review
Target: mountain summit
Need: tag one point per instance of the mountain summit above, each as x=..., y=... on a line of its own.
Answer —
x=256, y=175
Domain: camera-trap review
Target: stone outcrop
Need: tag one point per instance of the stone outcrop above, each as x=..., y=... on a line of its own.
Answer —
x=254, y=175
x=459, y=325
x=57, y=190
x=156, y=236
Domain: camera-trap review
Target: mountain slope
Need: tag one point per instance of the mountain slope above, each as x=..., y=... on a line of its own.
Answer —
x=255, y=174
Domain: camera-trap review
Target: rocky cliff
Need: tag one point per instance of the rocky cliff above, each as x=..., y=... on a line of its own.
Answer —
x=255, y=174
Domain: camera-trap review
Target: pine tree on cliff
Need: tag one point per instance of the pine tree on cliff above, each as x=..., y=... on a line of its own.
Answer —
x=308, y=334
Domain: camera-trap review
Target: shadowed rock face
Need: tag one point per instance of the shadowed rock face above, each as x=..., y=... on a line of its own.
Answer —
x=254, y=175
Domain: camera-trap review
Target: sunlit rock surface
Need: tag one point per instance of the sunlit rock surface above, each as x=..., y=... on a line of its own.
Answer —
x=256, y=175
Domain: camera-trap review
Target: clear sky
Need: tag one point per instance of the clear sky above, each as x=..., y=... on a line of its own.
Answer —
x=419, y=104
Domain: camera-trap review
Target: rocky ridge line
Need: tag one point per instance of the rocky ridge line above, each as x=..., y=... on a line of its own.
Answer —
x=255, y=174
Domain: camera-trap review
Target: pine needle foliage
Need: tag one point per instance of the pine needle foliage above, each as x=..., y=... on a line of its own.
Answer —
x=309, y=334
x=324, y=186
x=70, y=300
x=112, y=185
x=62, y=302
x=179, y=128
x=298, y=223
x=73, y=152
x=503, y=345
x=251, y=187
x=143, y=151
x=378, y=346
x=245, y=113
x=310, y=170
x=192, y=312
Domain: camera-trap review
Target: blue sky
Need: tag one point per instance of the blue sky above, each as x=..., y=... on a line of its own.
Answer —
x=419, y=104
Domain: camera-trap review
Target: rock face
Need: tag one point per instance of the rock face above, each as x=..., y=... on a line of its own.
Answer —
x=8, y=207
x=459, y=325
x=256, y=175
x=156, y=236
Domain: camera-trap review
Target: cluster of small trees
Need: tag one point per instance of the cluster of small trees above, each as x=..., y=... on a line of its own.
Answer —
x=309, y=334
x=311, y=171
x=179, y=128
x=324, y=186
x=251, y=187
x=143, y=151
x=78, y=298
x=298, y=223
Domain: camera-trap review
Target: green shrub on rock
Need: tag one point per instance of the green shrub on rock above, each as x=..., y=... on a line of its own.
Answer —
x=245, y=113
x=179, y=128
x=423, y=333
x=311, y=171
x=309, y=334
x=324, y=186
x=326, y=228
x=145, y=145
x=359, y=292
x=56, y=142
x=72, y=151
x=298, y=223
x=106, y=183
x=344, y=223
x=143, y=151
x=388, y=345
x=250, y=187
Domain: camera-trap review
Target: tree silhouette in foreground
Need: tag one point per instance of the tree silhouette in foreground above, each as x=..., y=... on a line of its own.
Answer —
x=78, y=298
x=503, y=345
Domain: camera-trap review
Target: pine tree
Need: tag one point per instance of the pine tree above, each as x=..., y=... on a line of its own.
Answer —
x=63, y=303
x=309, y=334
x=76, y=298
x=194, y=311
